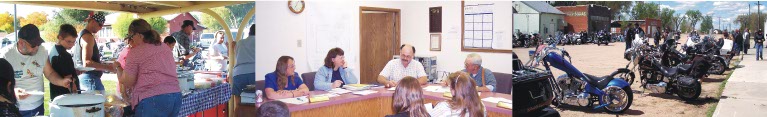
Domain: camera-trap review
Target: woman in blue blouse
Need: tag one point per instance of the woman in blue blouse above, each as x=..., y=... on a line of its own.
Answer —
x=334, y=73
x=284, y=82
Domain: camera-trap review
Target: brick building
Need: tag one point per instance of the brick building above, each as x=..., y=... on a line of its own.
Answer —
x=586, y=18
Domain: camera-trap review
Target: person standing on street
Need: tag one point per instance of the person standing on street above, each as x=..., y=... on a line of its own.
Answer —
x=629, y=36
x=759, y=43
x=746, y=41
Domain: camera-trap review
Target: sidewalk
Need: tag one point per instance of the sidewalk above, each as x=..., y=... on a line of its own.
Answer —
x=745, y=94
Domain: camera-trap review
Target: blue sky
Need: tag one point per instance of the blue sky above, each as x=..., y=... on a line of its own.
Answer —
x=727, y=10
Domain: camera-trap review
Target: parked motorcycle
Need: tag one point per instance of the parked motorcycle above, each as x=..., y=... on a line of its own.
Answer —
x=682, y=78
x=709, y=47
x=602, y=38
x=581, y=89
x=577, y=39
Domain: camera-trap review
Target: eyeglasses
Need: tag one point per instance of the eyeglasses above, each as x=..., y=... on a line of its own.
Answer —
x=129, y=36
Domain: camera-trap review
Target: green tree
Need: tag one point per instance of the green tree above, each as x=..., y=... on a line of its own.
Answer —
x=6, y=22
x=667, y=17
x=212, y=24
x=239, y=11
x=684, y=26
x=73, y=17
x=693, y=16
x=707, y=24
x=36, y=18
x=120, y=27
x=751, y=21
x=158, y=24
x=645, y=10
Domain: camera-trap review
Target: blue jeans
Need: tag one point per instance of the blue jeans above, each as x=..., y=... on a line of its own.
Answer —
x=90, y=82
x=241, y=81
x=736, y=48
x=759, y=47
x=164, y=105
x=34, y=112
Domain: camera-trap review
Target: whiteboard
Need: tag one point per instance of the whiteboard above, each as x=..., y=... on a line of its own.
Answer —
x=487, y=25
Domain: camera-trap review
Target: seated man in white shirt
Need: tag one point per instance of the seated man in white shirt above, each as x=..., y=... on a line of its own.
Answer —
x=404, y=66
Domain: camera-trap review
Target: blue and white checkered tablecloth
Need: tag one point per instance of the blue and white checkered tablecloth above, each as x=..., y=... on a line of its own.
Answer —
x=204, y=99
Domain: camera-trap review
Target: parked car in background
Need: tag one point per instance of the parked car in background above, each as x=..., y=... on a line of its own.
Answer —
x=206, y=39
x=8, y=40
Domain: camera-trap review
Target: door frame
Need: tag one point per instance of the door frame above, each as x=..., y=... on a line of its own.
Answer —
x=397, y=34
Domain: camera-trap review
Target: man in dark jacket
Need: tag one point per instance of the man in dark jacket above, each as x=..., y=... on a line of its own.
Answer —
x=759, y=43
x=629, y=36
x=657, y=36
x=738, y=41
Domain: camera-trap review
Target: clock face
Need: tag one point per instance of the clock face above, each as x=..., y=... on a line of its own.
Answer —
x=296, y=6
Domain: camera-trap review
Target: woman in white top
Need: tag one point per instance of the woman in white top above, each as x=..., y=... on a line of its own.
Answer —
x=465, y=101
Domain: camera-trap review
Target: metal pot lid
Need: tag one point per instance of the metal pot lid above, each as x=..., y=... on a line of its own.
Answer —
x=78, y=99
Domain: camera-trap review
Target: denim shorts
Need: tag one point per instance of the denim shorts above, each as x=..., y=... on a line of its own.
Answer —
x=241, y=81
x=90, y=82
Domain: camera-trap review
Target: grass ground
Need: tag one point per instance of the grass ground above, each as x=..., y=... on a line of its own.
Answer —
x=110, y=87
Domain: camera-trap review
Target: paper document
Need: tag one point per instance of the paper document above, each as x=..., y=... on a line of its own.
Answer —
x=339, y=91
x=496, y=100
x=296, y=100
x=438, y=89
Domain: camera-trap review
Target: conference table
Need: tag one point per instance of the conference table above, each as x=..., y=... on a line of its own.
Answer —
x=377, y=104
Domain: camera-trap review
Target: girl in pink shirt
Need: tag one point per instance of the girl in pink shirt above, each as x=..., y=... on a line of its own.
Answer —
x=147, y=72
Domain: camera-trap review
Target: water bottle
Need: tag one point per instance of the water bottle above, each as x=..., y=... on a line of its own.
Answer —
x=259, y=97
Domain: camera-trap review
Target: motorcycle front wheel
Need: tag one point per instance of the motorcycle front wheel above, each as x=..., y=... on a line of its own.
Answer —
x=618, y=99
x=628, y=76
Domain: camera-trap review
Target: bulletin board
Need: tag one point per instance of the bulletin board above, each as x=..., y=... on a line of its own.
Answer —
x=486, y=26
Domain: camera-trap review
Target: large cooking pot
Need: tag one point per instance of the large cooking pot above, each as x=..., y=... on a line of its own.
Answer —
x=78, y=105
x=186, y=80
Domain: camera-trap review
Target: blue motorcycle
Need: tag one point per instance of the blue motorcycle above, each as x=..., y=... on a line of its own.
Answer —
x=581, y=89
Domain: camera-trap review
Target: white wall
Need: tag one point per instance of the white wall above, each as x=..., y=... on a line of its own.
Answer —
x=278, y=31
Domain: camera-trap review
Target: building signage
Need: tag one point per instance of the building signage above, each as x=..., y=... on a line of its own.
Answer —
x=582, y=13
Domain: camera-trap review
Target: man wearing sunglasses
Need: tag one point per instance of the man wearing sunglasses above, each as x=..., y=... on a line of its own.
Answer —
x=30, y=63
x=87, y=54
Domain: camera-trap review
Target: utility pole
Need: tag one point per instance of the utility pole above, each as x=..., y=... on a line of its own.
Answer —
x=759, y=14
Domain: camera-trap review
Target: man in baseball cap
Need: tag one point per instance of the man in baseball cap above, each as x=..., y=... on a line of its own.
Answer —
x=183, y=39
x=29, y=39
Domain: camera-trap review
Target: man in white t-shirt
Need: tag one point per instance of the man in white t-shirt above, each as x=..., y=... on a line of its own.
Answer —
x=218, y=54
x=30, y=63
x=404, y=66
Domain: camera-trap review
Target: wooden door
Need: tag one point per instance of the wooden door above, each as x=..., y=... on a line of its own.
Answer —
x=379, y=41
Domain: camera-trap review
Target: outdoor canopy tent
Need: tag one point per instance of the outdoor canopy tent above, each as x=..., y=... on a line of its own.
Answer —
x=145, y=9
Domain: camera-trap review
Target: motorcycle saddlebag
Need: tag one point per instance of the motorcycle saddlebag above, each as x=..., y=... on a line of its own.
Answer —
x=687, y=82
x=531, y=90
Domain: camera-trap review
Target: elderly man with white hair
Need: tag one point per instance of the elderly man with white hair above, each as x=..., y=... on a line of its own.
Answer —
x=482, y=76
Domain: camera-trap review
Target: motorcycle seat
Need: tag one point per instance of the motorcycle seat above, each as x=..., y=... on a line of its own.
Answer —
x=666, y=71
x=599, y=82
x=683, y=67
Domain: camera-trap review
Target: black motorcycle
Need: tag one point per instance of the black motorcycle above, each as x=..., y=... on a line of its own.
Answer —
x=682, y=78
x=602, y=38
x=523, y=40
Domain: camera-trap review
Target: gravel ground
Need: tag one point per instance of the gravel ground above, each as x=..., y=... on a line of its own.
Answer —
x=603, y=60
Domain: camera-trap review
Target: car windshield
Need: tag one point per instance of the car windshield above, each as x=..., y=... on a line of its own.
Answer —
x=207, y=36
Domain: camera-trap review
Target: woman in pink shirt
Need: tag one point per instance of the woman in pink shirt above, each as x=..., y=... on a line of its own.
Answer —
x=148, y=73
